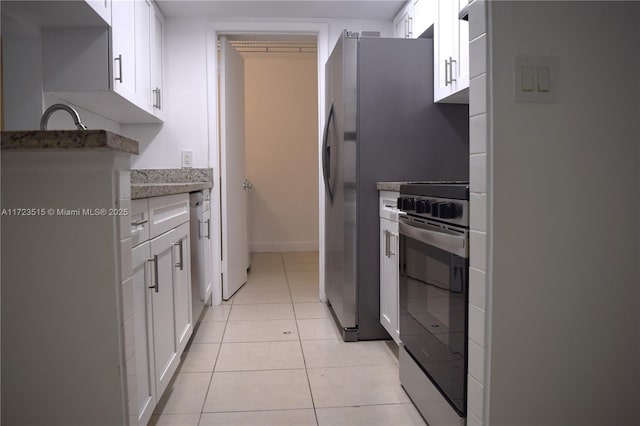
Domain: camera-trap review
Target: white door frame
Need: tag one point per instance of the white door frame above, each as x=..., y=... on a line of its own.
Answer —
x=215, y=29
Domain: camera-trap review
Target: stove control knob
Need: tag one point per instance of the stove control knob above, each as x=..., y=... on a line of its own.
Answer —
x=421, y=206
x=408, y=204
x=435, y=209
x=448, y=211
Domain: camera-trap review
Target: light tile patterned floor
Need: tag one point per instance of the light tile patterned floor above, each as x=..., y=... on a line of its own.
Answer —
x=273, y=356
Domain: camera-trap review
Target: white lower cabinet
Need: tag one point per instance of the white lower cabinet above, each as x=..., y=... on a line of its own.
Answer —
x=162, y=300
x=389, y=264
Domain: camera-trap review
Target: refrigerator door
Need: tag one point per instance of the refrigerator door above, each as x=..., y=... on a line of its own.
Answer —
x=339, y=156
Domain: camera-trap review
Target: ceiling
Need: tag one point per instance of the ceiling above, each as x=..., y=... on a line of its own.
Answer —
x=343, y=9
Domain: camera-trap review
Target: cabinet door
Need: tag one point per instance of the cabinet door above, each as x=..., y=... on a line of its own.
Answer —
x=389, y=278
x=451, y=54
x=402, y=22
x=462, y=71
x=424, y=15
x=157, y=43
x=166, y=354
x=123, y=48
x=182, y=286
x=205, y=292
x=143, y=15
x=443, y=48
x=145, y=369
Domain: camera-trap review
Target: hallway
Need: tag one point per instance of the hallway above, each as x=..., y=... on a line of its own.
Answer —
x=273, y=356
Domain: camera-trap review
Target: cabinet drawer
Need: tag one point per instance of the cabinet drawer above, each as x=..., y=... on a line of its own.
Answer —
x=165, y=213
x=139, y=221
x=388, y=203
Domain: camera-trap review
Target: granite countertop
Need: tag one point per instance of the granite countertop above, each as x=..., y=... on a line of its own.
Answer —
x=38, y=140
x=147, y=183
x=389, y=186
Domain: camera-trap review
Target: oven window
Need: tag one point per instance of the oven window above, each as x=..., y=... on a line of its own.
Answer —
x=433, y=315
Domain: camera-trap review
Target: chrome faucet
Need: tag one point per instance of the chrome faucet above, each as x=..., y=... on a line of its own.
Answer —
x=55, y=107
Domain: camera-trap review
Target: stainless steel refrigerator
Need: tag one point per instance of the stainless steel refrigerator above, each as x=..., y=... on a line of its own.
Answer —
x=381, y=125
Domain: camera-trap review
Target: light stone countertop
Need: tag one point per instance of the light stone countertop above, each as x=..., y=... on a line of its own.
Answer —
x=389, y=186
x=147, y=183
x=38, y=140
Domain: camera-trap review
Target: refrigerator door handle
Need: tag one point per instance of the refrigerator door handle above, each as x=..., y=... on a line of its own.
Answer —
x=326, y=155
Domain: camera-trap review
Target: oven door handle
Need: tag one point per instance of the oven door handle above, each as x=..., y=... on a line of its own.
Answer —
x=456, y=244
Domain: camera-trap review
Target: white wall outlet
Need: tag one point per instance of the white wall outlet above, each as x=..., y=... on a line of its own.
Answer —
x=187, y=159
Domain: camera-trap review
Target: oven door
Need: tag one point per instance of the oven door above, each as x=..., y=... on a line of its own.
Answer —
x=434, y=266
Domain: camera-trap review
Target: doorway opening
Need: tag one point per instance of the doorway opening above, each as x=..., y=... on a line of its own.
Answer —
x=268, y=154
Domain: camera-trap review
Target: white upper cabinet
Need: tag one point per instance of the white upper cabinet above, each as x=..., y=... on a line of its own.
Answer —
x=424, y=15
x=451, y=54
x=142, y=29
x=102, y=8
x=123, y=36
x=415, y=18
x=108, y=70
x=403, y=21
x=157, y=43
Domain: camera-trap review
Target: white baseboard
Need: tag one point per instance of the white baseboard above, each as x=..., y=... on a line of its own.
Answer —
x=280, y=246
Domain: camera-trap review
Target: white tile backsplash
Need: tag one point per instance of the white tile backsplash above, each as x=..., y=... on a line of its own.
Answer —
x=472, y=420
x=476, y=325
x=477, y=288
x=478, y=95
x=478, y=219
x=475, y=397
x=478, y=173
x=476, y=361
x=477, y=19
x=478, y=56
x=477, y=250
x=478, y=134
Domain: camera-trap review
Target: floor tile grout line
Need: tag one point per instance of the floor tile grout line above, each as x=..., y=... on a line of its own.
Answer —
x=226, y=321
x=215, y=363
x=304, y=360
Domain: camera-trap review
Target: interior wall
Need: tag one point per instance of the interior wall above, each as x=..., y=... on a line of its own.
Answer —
x=566, y=194
x=281, y=110
x=186, y=122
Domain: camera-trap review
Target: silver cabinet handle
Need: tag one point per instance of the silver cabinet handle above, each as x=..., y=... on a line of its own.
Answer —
x=391, y=252
x=180, y=264
x=451, y=61
x=410, y=27
x=139, y=222
x=209, y=229
x=200, y=223
x=156, y=286
x=446, y=72
x=386, y=243
x=158, y=99
x=119, y=59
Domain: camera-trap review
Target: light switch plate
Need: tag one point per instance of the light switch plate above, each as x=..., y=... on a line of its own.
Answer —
x=535, y=79
x=187, y=159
